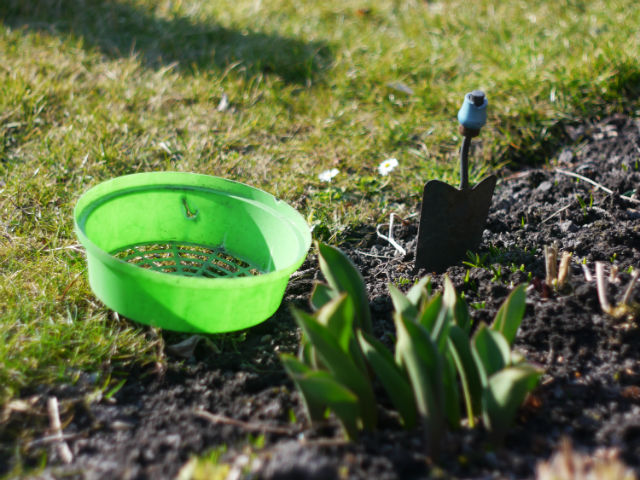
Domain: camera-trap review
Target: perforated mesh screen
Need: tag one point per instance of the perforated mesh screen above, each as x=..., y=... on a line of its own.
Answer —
x=191, y=260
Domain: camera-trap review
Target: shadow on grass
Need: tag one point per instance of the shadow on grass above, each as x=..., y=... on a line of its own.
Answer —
x=119, y=28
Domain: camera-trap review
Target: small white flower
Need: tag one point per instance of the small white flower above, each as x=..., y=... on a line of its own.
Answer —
x=165, y=147
x=387, y=166
x=328, y=175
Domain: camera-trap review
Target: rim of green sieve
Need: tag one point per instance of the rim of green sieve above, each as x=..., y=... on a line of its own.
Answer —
x=189, y=252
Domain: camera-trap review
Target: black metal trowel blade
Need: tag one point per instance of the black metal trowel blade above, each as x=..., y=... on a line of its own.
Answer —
x=451, y=222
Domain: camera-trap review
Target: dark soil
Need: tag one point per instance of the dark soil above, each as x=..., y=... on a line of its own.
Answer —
x=590, y=392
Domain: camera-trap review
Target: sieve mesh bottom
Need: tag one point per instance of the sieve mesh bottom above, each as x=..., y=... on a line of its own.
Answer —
x=187, y=259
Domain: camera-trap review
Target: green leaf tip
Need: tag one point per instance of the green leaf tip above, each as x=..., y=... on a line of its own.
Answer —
x=505, y=392
x=510, y=314
x=343, y=276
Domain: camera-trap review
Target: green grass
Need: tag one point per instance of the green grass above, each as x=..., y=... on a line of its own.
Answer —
x=92, y=89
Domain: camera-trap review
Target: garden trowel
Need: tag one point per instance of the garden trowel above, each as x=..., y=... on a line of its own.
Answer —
x=452, y=219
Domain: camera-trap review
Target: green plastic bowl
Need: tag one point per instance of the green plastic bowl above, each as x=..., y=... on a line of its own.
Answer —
x=189, y=252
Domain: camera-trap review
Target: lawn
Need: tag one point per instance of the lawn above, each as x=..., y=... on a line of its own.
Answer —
x=270, y=94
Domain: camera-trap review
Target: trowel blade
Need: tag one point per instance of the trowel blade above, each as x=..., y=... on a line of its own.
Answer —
x=451, y=222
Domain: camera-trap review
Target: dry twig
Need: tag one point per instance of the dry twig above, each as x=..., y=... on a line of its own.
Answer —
x=248, y=426
x=596, y=184
x=51, y=439
x=556, y=213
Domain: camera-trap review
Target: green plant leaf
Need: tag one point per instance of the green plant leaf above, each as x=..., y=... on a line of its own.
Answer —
x=430, y=311
x=428, y=317
x=449, y=296
x=314, y=405
x=321, y=295
x=456, y=306
x=451, y=396
x=340, y=364
x=491, y=351
x=393, y=379
x=510, y=315
x=461, y=314
x=321, y=390
x=337, y=316
x=423, y=363
x=505, y=392
x=440, y=327
x=419, y=291
x=460, y=348
x=307, y=353
x=401, y=303
x=441, y=331
x=343, y=276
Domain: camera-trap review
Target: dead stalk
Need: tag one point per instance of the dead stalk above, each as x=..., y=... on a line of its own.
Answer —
x=601, y=284
x=632, y=283
x=564, y=271
x=56, y=430
x=551, y=263
x=587, y=273
x=613, y=274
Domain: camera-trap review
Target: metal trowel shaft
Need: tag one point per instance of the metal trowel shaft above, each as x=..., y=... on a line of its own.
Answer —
x=464, y=163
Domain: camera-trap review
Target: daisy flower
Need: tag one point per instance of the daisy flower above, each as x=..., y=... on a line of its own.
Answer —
x=387, y=166
x=328, y=175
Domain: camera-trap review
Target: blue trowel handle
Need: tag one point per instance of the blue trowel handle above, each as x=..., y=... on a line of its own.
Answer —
x=472, y=117
x=473, y=113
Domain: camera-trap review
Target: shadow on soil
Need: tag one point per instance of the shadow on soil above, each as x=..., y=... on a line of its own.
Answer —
x=119, y=29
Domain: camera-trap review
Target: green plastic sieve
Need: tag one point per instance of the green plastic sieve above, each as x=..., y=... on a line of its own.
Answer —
x=189, y=252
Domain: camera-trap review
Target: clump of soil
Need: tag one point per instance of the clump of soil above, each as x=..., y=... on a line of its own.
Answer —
x=590, y=392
